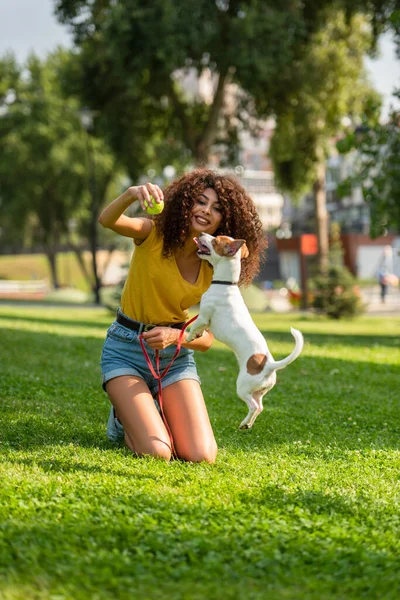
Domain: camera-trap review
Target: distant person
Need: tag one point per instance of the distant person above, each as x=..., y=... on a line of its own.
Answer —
x=384, y=272
x=166, y=277
x=383, y=278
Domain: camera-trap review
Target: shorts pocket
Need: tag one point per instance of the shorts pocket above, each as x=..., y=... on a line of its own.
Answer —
x=120, y=333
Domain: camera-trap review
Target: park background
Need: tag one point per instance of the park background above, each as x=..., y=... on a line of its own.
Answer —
x=305, y=505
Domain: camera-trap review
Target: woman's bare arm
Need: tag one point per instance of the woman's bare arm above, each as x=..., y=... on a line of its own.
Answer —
x=112, y=216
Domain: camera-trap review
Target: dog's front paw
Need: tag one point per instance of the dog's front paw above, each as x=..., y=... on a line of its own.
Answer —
x=194, y=335
x=244, y=426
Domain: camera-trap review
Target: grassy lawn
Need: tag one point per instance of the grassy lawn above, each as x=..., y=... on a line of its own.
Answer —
x=36, y=267
x=303, y=506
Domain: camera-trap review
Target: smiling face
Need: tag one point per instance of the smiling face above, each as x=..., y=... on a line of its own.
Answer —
x=206, y=213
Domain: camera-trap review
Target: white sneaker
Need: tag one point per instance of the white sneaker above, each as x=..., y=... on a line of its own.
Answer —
x=115, y=431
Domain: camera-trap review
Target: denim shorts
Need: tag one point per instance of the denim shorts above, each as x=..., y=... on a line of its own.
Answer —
x=123, y=355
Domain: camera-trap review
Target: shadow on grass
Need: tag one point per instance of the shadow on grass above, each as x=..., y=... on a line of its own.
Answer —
x=112, y=540
x=71, y=465
x=317, y=339
x=326, y=339
x=51, y=394
x=318, y=401
x=300, y=543
x=103, y=322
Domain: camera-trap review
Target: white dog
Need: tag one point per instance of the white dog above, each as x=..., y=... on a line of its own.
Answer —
x=223, y=311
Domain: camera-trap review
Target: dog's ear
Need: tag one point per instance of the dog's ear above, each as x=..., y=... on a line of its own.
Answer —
x=234, y=246
x=245, y=251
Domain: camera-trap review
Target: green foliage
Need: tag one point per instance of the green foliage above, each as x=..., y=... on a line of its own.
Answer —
x=304, y=505
x=131, y=57
x=376, y=169
x=335, y=292
x=332, y=86
x=376, y=152
x=42, y=166
x=44, y=157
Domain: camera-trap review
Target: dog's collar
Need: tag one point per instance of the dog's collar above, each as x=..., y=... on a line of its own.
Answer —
x=224, y=282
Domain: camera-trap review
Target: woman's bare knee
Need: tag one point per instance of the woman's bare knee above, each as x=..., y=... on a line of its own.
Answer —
x=197, y=455
x=155, y=448
x=162, y=452
x=145, y=433
x=189, y=421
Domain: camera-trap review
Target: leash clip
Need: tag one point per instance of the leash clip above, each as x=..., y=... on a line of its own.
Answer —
x=149, y=327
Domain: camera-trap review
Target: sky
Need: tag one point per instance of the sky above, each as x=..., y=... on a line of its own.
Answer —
x=29, y=25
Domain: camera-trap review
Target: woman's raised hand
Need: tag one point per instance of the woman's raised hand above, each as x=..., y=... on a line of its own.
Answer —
x=145, y=194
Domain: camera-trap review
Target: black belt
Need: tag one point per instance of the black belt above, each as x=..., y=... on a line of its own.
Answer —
x=138, y=326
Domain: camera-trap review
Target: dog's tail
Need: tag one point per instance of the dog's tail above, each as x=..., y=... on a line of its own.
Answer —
x=281, y=364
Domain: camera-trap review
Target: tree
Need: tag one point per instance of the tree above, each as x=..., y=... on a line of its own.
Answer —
x=376, y=165
x=376, y=170
x=43, y=154
x=333, y=86
x=38, y=177
x=133, y=54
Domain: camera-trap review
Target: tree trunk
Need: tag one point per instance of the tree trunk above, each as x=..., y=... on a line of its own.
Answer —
x=209, y=132
x=51, y=255
x=79, y=257
x=93, y=247
x=321, y=216
x=94, y=209
x=200, y=143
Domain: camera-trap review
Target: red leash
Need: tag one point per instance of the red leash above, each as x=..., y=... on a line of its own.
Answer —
x=159, y=376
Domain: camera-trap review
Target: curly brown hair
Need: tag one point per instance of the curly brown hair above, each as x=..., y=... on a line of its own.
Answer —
x=239, y=215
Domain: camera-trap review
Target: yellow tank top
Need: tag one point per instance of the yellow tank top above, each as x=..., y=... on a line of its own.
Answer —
x=155, y=291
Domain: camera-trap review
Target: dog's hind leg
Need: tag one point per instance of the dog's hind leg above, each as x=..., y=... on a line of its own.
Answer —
x=254, y=402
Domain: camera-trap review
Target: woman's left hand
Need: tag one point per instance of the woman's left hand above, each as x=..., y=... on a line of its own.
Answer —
x=161, y=337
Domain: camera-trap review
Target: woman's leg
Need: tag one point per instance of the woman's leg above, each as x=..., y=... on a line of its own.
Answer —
x=145, y=432
x=187, y=416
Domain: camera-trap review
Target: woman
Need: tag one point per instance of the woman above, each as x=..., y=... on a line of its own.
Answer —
x=165, y=279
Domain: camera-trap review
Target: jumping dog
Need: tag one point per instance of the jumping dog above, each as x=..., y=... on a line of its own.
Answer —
x=223, y=311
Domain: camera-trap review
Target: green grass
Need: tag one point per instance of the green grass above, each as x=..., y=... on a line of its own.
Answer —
x=36, y=267
x=303, y=506
x=74, y=287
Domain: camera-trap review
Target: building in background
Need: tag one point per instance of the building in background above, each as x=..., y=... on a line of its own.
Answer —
x=351, y=212
x=362, y=254
x=260, y=185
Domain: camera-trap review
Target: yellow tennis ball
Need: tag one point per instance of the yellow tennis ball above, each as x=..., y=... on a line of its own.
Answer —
x=155, y=209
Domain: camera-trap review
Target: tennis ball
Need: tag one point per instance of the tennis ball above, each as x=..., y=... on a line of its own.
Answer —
x=155, y=209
